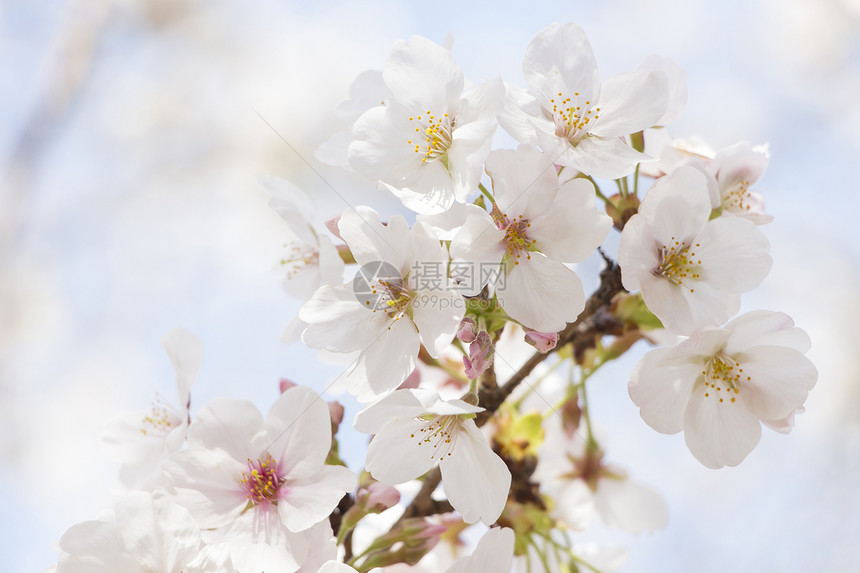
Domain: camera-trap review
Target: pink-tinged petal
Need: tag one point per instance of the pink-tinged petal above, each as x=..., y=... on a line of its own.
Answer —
x=662, y=393
x=399, y=404
x=337, y=321
x=437, y=314
x=230, y=424
x=421, y=74
x=208, y=485
x=161, y=534
x=386, y=361
x=519, y=114
x=629, y=505
x=785, y=425
x=571, y=229
x=602, y=158
x=186, y=354
x=719, y=433
x=631, y=102
x=542, y=294
x=775, y=380
x=735, y=255
x=309, y=499
x=298, y=430
x=559, y=58
x=95, y=547
x=398, y=453
x=765, y=328
x=476, y=480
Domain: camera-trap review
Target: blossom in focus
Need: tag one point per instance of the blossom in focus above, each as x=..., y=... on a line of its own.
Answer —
x=572, y=116
x=536, y=226
x=691, y=270
x=720, y=383
x=261, y=486
x=736, y=169
x=141, y=440
x=415, y=429
x=402, y=308
x=426, y=144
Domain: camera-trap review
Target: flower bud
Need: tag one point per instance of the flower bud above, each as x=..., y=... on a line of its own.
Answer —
x=466, y=332
x=285, y=385
x=412, y=381
x=542, y=341
x=332, y=227
x=335, y=410
x=480, y=355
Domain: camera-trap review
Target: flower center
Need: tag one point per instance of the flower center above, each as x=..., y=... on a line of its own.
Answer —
x=516, y=238
x=678, y=262
x=161, y=419
x=298, y=256
x=723, y=374
x=262, y=482
x=738, y=198
x=573, y=117
x=440, y=432
x=392, y=297
x=436, y=132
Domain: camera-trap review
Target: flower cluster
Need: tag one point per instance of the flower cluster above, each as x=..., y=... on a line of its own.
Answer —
x=450, y=310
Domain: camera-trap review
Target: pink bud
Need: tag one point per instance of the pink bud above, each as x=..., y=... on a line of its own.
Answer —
x=380, y=496
x=466, y=332
x=542, y=341
x=285, y=385
x=480, y=355
x=335, y=410
x=332, y=227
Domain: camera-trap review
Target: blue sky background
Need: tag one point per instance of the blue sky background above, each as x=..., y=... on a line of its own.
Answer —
x=129, y=151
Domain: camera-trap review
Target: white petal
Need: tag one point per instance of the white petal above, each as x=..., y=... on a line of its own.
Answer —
x=631, y=102
x=608, y=158
x=779, y=380
x=399, y=404
x=629, y=505
x=719, y=433
x=230, y=424
x=398, y=453
x=519, y=114
x=298, y=429
x=763, y=327
x=542, y=294
x=494, y=553
x=423, y=74
x=735, y=254
x=386, y=361
x=337, y=321
x=476, y=480
x=186, y=354
x=559, y=58
x=662, y=393
x=308, y=500
x=371, y=241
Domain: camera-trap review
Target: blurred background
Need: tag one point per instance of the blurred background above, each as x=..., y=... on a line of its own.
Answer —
x=132, y=136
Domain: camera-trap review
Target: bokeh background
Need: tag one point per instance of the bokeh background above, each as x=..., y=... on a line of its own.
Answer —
x=132, y=136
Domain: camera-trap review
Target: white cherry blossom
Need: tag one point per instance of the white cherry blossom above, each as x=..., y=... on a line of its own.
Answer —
x=736, y=169
x=571, y=115
x=427, y=142
x=261, y=486
x=691, y=270
x=536, y=226
x=141, y=440
x=402, y=307
x=720, y=383
x=415, y=430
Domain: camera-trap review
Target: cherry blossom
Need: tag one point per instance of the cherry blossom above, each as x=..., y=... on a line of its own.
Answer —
x=536, y=226
x=736, y=169
x=575, y=118
x=720, y=383
x=427, y=142
x=494, y=553
x=415, y=430
x=691, y=270
x=401, y=309
x=260, y=484
x=141, y=440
